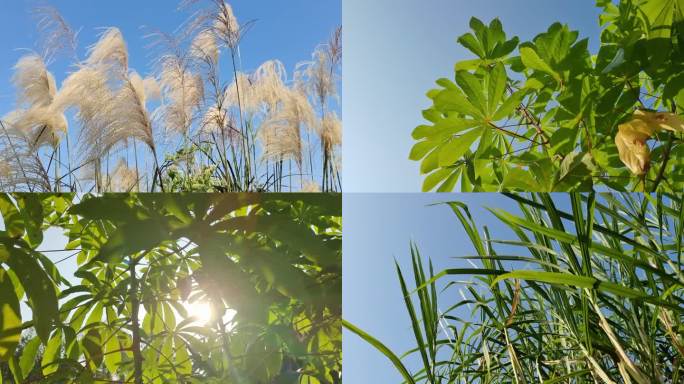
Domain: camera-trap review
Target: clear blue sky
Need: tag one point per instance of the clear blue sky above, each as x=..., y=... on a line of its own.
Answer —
x=396, y=49
x=285, y=30
x=378, y=229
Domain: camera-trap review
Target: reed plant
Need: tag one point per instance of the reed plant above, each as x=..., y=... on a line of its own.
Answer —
x=587, y=290
x=194, y=123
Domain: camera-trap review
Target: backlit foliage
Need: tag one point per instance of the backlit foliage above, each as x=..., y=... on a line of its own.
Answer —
x=266, y=267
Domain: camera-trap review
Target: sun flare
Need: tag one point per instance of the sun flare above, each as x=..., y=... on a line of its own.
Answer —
x=200, y=311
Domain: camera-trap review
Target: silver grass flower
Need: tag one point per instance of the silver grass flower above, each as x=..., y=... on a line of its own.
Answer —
x=250, y=99
x=317, y=76
x=182, y=91
x=38, y=126
x=330, y=131
x=270, y=83
x=280, y=134
x=35, y=85
x=204, y=47
x=226, y=25
x=123, y=179
x=55, y=32
x=309, y=186
x=110, y=50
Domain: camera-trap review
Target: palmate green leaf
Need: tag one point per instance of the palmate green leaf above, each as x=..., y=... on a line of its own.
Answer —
x=39, y=288
x=498, y=79
x=471, y=43
x=576, y=173
x=661, y=14
x=437, y=177
x=10, y=317
x=457, y=147
x=51, y=354
x=131, y=238
x=509, y=105
x=283, y=228
x=472, y=87
x=518, y=179
x=28, y=356
x=14, y=223
x=31, y=209
x=396, y=361
x=531, y=60
x=456, y=101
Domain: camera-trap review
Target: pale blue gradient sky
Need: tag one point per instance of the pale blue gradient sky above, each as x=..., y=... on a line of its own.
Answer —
x=396, y=49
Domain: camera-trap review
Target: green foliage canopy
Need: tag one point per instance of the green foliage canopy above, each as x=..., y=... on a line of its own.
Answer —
x=273, y=261
x=542, y=115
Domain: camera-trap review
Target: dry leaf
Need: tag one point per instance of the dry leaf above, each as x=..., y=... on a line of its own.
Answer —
x=632, y=136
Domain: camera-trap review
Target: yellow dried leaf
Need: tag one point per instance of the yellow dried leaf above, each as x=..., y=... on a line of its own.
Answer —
x=632, y=136
x=634, y=152
x=661, y=120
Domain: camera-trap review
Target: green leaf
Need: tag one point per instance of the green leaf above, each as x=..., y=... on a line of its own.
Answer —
x=396, y=361
x=455, y=101
x=112, y=352
x=531, y=60
x=10, y=317
x=576, y=172
x=435, y=178
x=470, y=42
x=457, y=147
x=49, y=363
x=518, y=179
x=431, y=161
x=568, y=279
x=39, y=289
x=509, y=105
x=421, y=149
x=472, y=87
x=132, y=237
x=14, y=222
x=31, y=209
x=497, y=87
x=28, y=356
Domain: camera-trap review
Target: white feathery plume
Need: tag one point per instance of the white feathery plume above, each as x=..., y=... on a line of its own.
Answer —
x=280, y=134
x=88, y=91
x=280, y=141
x=39, y=125
x=123, y=179
x=110, y=50
x=330, y=131
x=56, y=33
x=35, y=85
x=218, y=121
x=130, y=118
x=270, y=83
x=183, y=92
x=226, y=25
x=250, y=99
x=204, y=47
x=319, y=73
x=309, y=186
